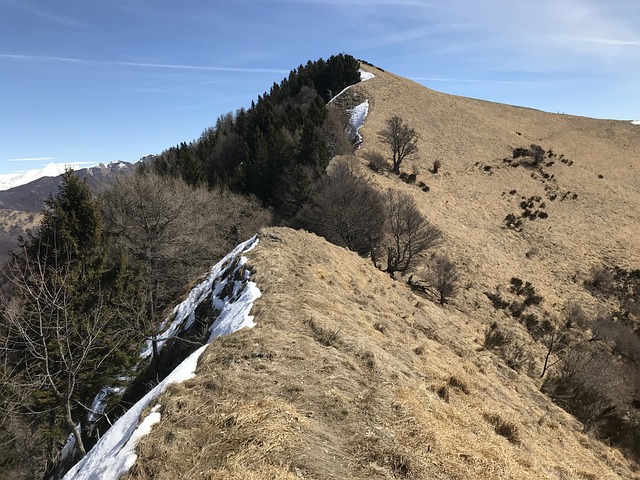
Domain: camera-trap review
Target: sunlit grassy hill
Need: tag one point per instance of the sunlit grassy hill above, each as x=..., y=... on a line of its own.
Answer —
x=351, y=374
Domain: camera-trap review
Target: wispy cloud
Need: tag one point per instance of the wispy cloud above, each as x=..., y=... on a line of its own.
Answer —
x=165, y=66
x=205, y=68
x=31, y=159
x=42, y=13
x=366, y=3
x=608, y=41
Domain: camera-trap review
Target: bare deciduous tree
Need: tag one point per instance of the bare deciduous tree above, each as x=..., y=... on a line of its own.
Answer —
x=55, y=351
x=402, y=139
x=442, y=275
x=346, y=210
x=410, y=232
x=170, y=231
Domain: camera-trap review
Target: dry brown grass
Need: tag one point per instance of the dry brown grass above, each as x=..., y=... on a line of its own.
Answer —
x=469, y=204
x=282, y=401
x=349, y=374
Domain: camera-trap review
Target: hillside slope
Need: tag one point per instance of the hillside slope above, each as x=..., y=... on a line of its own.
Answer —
x=597, y=221
x=350, y=374
x=347, y=374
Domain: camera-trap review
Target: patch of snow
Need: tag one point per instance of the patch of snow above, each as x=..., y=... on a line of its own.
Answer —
x=114, y=454
x=99, y=404
x=12, y=180
x=356, y=119
x=364, y=76
x=636, y=122
x=69, y=447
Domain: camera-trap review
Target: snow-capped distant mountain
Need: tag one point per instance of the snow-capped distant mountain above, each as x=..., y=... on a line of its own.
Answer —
x=28, y=191
x=12, y=180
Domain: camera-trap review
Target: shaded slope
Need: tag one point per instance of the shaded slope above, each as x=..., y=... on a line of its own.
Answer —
x=348, y=374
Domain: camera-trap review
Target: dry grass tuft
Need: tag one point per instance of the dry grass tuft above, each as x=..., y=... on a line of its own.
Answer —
x=508, y=430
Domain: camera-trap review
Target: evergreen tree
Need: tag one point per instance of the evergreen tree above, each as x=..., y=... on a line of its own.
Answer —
x=63, y=336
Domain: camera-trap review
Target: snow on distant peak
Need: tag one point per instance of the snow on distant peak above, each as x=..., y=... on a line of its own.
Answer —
x=12, y=180
x=365, y=75
x=114, y=454
x=636, y=122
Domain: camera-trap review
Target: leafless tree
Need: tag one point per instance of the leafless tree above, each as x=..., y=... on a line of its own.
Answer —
x=442, y=275
x=172, y=231
x=410, y=232
x=402, y=139
x=346, y=210
x=51, y=347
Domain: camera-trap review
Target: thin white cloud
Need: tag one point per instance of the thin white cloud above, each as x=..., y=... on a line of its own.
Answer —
x=205, y=68
x=411, y=35
x=40, y=12
x=171, y=66
x=367, y=3
x=30, y=159
x=609, y=41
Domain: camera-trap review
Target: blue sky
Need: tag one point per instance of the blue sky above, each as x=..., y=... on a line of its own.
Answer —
x=97, y=81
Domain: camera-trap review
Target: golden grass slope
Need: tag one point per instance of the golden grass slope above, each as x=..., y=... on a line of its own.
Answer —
x=469, y=203
x=349, y=375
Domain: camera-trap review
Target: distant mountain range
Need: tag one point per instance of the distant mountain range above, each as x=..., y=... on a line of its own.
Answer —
x=22, y=196
x=15, y=194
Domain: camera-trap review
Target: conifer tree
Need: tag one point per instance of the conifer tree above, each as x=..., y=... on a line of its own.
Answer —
x=59, y=330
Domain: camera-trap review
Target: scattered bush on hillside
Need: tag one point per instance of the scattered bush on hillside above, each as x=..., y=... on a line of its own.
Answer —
x=581, y=383
x=411, y=234
x=496, y=337
x=600, y=278
x=534, y=155
x=325, y=336
x=423, y=186
x=513, y=222
x=620, y=336
x=455, y=382
x=437, y=164
x=408, y=178
x=402, y=139
x=376, y=161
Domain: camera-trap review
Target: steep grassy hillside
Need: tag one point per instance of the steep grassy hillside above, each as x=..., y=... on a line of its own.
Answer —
x=471, y=195
x=348, y=374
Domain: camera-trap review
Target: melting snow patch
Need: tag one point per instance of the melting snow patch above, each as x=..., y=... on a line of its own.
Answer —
x=184, y=314
x=356, y=119
x=636, y=122
x=115, y=453
x=365, y=75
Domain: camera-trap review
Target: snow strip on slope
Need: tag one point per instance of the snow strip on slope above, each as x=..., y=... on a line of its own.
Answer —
x=184, y=314
x=363, y=76
x=115, y=453
x=636, y=122
x=356, y=119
